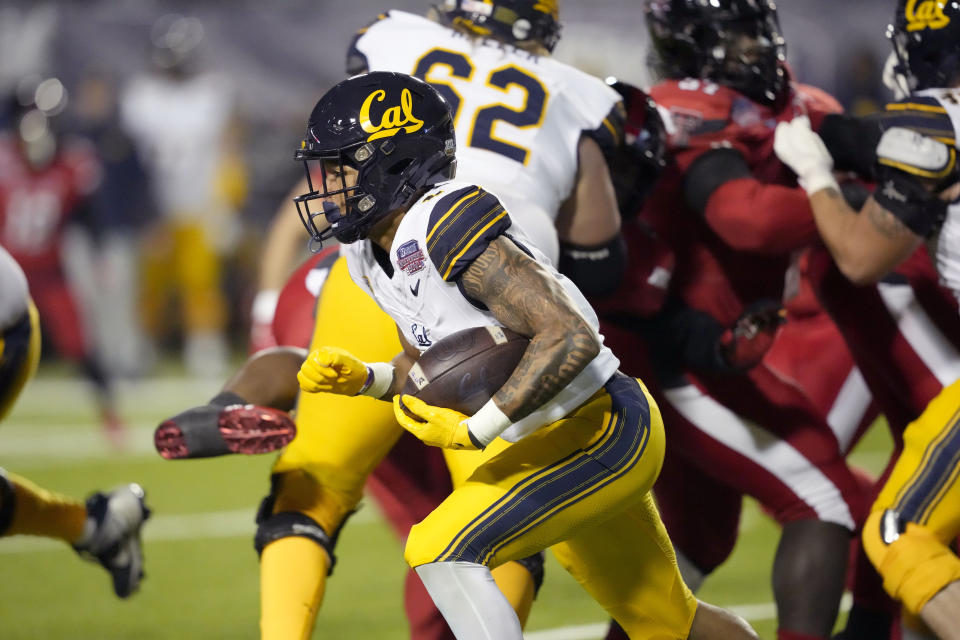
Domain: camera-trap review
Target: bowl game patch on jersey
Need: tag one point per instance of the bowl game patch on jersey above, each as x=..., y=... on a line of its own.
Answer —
x=410, y=258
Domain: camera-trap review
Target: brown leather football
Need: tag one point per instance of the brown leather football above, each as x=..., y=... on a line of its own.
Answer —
x=463, y=370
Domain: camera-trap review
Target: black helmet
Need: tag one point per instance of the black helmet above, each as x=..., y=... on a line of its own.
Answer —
x=395, y=130
x=512, y=21
x=639, y=161
x=735, y=43
x=926, y=40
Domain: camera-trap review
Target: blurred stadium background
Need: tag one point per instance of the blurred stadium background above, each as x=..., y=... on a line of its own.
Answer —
x=276, y=59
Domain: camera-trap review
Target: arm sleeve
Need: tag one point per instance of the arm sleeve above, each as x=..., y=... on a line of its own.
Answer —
x=747, y=214
x=905, y=196
x=462, y=225
x=597, y=271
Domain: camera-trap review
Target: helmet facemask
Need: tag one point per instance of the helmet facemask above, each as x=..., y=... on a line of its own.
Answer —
x=363, y=183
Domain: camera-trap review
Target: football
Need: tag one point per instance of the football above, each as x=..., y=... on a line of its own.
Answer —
x=463, y=370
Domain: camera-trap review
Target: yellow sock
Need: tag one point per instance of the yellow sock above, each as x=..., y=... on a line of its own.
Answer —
x=293, y=575
x=38, y=512
x=516, y=583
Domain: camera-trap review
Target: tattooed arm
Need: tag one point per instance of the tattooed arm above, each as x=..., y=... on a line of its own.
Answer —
x=866, y=245
x=525, y=297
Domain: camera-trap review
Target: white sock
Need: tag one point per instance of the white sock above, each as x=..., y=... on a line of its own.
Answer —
x=692, y=576
x=470, y=601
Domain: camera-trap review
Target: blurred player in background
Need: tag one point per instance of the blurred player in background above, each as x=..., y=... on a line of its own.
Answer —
x=182, y=122
x=538, y=130
x=732, y=216
x=915, y=519
x=120, y=210
x=46, y=182
x=106, y=528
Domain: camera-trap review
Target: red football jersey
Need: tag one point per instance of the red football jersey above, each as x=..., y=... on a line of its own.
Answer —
x=36, y=204
x=293, y=319
x=740, y=249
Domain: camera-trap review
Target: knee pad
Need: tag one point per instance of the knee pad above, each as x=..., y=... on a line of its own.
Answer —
x=285, y=524
x=534, y=564
x=913, y=563
x=8, y=502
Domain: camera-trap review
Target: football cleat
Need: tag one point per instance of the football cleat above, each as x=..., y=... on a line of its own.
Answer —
x=211, y=430
x=114, y=521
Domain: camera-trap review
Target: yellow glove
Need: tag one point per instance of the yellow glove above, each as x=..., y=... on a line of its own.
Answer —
x=436, y=426
x=332, y=370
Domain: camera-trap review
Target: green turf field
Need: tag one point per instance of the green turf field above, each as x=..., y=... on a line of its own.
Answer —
x=200, y=563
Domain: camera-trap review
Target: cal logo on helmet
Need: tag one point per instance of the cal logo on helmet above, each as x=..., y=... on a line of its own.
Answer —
x=393, y=119
x=925, y=14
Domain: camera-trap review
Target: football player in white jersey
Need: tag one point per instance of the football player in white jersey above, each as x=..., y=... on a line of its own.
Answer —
x=106, y=528
x=578, y=444
x=917, y=514
x=526, y=124
x=539, y=128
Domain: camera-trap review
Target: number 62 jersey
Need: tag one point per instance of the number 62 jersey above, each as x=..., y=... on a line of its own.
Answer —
x=518, y=117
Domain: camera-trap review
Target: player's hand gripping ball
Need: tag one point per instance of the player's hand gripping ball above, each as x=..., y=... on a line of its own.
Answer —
x=435, y=426
x=332, y=370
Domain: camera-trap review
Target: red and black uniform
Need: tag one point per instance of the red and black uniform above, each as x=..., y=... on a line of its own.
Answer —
x=35, y=207
x=733, y=216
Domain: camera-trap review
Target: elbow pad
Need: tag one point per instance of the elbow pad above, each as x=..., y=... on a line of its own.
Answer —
x=597, y=270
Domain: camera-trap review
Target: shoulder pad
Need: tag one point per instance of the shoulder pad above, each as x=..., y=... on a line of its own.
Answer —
x=711, y=101
x=916, y=154
x=462, y=224
x=356, y=59
x=922, y=114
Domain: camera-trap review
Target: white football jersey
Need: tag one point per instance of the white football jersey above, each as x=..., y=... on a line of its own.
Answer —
x=518, y=117
x=437, y=239
x=13, y=291
x=948, y=244
x=179, y=127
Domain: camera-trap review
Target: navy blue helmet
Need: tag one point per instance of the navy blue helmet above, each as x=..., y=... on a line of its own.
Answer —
x=926, y=40
x=395, y=130
x=513, y=21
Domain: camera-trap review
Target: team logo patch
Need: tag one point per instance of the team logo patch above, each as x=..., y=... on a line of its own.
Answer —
x=685, y=122
x=421, y=335
x=410, y=257
x=393, y=119
x=925, y=14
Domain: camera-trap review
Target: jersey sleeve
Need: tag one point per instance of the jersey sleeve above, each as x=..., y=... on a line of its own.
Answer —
x=609, y=135
x=356, y=58
x=462, y=225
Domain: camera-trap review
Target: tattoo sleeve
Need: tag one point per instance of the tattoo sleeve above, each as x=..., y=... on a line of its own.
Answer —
x=528, y=299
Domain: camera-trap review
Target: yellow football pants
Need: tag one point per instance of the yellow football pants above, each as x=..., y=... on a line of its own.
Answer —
x=181, y=259
x=322, y=472
x=19, y=355
x=582, y=487
x=924, y=494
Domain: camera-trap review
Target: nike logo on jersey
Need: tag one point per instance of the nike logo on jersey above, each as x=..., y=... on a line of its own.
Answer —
x=415, y=290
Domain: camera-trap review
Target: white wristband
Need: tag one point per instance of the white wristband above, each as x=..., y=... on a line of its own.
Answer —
x=379, y=379
x=817, y=181
x=488, y=423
